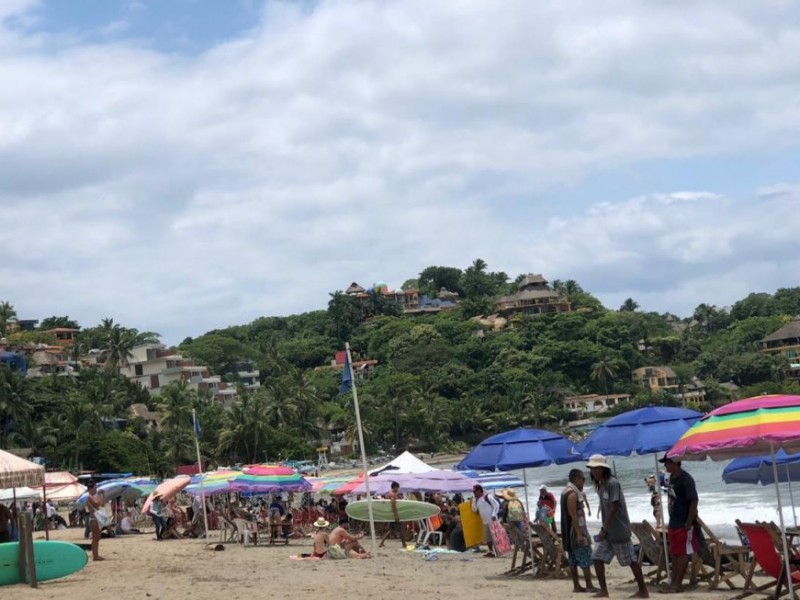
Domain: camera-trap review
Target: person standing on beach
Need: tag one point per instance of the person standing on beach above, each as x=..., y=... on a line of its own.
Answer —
x=682, y=534
x=394, y=495
x=157, y=514
x=487, y=507
x=614, y=538
x=95, y=502
x=546, y=508
x=574, y=533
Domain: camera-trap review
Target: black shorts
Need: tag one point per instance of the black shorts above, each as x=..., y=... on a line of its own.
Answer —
x=394, y=525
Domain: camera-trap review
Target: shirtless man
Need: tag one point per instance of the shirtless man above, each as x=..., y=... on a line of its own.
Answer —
x=321, y=538
x=349, y=542
x=5, y=524
x=397, y=526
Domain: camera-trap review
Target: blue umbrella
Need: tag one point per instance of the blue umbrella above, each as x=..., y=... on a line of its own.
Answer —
x=495, y=481
x=519, y=449
x=643, y=431
x=758, y=469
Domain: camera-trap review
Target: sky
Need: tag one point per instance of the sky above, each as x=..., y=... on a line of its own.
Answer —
x=185, y=165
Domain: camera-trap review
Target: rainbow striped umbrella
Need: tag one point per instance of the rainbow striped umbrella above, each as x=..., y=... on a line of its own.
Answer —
x=747, y=427
x=266, y=469
x=265, y=484
x=327, y=485
x=214, y=482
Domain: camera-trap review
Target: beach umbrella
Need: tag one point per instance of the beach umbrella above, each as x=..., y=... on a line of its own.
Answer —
x=270, y=470
x=168, y=489
x=17, y=472
x=646, y=430
x=265, y=484
x=495, y=481
x=758, y=469
x=347, y=488
x=214, y=483
x=749, y=427
x=520, y=449
x=438, y=480
x=327, y=485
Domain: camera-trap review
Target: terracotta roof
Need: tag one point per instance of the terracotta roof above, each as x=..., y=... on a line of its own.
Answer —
x=789, y=331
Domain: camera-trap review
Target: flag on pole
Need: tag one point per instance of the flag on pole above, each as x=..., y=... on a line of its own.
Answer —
x=196, y=424
x=347, y=375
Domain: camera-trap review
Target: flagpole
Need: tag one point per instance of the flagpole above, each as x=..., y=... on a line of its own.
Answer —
x=196, y=427
x=349, y=366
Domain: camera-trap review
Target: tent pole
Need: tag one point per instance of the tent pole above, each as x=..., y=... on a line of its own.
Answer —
x=527, y=523
x=663, y=531
x=791, y=495
x=783, y=527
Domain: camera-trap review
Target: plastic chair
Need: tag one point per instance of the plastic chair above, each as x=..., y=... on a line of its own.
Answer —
x=246, y=530
x=427, y=531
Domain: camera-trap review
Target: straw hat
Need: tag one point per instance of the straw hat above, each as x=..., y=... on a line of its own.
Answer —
x=598, y=460
x=321, y=523
x=509, y=494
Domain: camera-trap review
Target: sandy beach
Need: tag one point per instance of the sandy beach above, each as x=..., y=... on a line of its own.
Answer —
x=138, y=567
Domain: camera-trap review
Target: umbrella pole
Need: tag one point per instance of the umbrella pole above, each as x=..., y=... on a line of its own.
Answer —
x=791, y=495
x=527, y=523
x=46, y=518
x=663, y=523
x=783, y=527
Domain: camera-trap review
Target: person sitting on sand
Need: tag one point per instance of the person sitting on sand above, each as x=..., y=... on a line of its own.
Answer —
x=321, y=538
x=348, y=542
x=171, y=530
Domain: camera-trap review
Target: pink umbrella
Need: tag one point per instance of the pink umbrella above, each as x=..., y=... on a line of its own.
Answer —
x=167, y=489
x=269, y=470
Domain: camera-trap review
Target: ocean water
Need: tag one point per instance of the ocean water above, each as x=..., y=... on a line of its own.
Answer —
x=719, y=506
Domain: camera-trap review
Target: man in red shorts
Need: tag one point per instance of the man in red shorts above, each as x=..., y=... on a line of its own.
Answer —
x=682, y=535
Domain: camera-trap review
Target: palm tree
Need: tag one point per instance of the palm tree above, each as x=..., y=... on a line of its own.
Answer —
x=604, y=370
x=175, y=405
x=630, y=305
x=431, y=414
x=79, y=421
x=15, y=402
x=7, y=315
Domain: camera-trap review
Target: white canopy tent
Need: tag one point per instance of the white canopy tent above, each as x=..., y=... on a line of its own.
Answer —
x=21, y=493
x=405, y=463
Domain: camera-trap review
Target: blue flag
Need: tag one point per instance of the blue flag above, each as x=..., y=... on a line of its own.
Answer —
x=347, y=377
x=196, y=423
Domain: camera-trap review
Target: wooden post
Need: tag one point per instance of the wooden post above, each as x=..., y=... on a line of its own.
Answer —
x=27, y=561
x=22, y=527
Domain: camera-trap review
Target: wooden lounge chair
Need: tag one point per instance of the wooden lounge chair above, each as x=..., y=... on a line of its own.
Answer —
x=764, y=542
x=521, y=545
x=650, y=548
x=728, y=561
x=554, y=560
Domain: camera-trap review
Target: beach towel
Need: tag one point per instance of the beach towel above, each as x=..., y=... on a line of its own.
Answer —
x=502, y=545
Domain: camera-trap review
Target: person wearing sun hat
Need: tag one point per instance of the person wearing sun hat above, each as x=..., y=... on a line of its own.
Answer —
x=321, y=538
x=614, y=539
x=515, y=512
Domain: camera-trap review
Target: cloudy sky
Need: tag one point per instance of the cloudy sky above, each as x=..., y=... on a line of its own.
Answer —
x=182, y=165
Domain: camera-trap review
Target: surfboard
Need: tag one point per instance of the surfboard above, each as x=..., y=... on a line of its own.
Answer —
x=53, y=560
x=407, y=510
x=471, y=524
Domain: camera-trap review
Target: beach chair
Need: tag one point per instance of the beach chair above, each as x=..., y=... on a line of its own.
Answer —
x=728, y=561
x=554, y=561
x=521, y=544
x=650, y=548
x=764, y=542
x=247, y=531
x=428, y=531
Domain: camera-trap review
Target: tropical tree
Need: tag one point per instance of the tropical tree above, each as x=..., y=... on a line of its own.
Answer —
x=604, y=370
x=175, y=404
x=15, y=402
x=7, y=316
x=630, y=305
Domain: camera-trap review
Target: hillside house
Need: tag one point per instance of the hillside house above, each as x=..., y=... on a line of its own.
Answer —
x=662, y=378
x=534, y=297
x=785, y=342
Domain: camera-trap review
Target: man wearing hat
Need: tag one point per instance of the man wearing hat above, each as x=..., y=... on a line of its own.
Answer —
x=157, y=514
x=515, y=512
x=682, y=533
x=614, y=538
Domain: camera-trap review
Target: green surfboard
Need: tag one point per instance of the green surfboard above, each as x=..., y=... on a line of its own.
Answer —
x=53, y=560
x=407, y=510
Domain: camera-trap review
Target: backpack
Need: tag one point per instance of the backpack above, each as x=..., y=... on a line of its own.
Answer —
x=516, y=513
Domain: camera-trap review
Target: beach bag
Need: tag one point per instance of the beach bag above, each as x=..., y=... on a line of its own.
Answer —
x=502, y=545
x=336, y=552
x=102, y=518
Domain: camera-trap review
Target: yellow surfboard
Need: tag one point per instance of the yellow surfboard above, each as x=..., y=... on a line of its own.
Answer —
x=472, y=525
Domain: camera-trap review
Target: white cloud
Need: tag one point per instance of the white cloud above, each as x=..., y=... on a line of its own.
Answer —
x=367, y=140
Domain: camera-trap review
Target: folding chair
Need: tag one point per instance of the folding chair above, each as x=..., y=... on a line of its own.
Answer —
x=764, y=542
